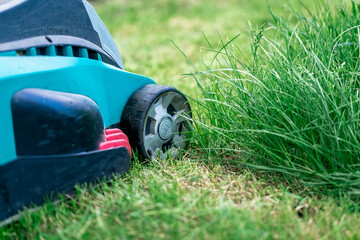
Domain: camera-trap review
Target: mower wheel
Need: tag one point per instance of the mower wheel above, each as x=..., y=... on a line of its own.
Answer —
x=155, y=119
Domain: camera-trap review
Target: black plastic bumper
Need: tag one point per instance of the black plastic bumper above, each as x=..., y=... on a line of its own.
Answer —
x=28, y=180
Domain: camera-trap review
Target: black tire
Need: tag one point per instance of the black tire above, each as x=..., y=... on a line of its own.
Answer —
x=147, y=120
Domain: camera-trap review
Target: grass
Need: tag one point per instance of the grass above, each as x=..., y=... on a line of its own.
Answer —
x=292, y=108
x=190, y=198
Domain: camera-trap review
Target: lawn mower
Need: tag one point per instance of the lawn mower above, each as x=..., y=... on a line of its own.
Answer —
x=64, y=96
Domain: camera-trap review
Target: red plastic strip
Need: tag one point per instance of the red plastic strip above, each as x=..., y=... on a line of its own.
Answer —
x=112, y=131
x=115, y=138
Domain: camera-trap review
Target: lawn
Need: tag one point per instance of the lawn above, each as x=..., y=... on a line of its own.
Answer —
x=202, y=195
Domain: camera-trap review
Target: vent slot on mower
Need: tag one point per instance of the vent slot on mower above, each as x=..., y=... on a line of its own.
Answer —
x=68, y=51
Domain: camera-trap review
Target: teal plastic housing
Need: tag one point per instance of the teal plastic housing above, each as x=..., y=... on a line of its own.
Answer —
x=108, y=86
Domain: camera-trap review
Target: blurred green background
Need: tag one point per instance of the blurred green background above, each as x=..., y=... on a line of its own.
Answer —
x=143, y=31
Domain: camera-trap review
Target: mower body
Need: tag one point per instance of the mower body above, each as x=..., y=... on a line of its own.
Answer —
x=109, y=86
x=62, y=84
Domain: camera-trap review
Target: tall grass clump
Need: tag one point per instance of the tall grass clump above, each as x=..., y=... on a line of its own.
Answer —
x=293, y=108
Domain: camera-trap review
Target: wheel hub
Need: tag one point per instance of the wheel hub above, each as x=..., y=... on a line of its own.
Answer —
x=165, y=128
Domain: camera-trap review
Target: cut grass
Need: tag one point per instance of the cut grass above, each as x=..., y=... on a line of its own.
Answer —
x=293, y=108
x=188, y=200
